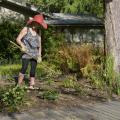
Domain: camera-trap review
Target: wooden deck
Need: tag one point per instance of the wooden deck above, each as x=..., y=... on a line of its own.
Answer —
x=103, y=111
x=98, y=111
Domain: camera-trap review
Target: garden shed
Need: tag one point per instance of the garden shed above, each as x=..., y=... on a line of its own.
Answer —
x=78, y=28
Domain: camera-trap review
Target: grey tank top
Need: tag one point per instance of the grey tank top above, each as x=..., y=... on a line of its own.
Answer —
x=32, y=43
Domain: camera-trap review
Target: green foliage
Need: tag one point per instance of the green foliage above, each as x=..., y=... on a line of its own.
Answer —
x=112, y=78
x=50, y=95
x=80, y=90
x=9, y=71
x=50, y=81
x=51, y=43
x=93, y=59
x=109, y=71
x=47, y=70
x=13, y=97
x=52, y=40
x=44, y=70
x=70, y=6
x=9, y=31
x=79, y=58
x=69, y=82
x=97, y=78
x=48, y=5
x=106, y=79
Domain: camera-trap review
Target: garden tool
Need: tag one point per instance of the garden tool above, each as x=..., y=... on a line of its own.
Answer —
x=38, y=59
x=25, y=51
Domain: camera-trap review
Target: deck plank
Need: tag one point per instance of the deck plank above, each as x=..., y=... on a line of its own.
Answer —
x=97, y=111
x=104, y=110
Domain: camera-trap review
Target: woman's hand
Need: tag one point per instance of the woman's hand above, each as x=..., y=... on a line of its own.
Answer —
x=39, y=59
x=24, y=48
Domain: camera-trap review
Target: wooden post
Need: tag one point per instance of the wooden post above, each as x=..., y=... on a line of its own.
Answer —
x=112, y=27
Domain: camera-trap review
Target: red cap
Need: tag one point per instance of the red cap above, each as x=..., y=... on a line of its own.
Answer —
x=39, y=19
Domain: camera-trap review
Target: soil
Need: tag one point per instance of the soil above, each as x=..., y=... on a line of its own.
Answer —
x=68, y=97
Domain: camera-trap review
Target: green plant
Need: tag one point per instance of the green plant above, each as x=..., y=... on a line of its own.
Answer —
x=116, y=85
x=70, y=82
x=87, y=70
x=77, y=58
x=47, y=70
x=44, y=70
x=9, y=71
x=80, y=90
x=106, y=79
x=70, y=6
x=50, y=81
x=50, y=94
x=9, y=31
x=53, y=40
x=97, y=78
x=13, y=97
x=112, y=78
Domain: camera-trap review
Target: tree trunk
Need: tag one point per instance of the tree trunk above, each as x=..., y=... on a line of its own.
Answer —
x=112, y=26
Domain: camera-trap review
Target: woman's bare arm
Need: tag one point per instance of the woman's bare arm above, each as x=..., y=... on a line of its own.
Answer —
x=22, y=33
x=40, y=50
x=39, y=59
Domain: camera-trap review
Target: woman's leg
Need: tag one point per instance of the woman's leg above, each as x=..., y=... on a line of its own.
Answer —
x=25, y=63
x=32, y=72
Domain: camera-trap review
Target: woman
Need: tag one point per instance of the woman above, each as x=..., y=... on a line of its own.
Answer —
x=30, y=43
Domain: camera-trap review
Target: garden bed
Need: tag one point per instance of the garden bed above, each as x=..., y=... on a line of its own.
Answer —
x=57, y=93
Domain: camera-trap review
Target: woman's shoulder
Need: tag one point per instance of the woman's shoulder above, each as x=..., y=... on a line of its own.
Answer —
x=24, y=30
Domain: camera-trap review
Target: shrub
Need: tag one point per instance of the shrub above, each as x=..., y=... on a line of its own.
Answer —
x=53, y=40
x=106, y=79
x=112, y=78
x=8, y=71
x=13, y=97
x=79, y=58
x=69, y=82
x=97, y=78
x=50, y=94
x=46, y=70
x=9, y=31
